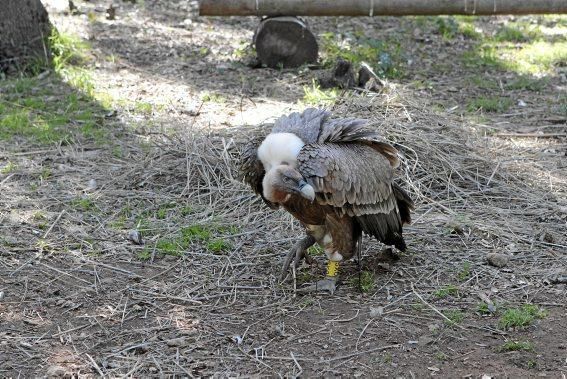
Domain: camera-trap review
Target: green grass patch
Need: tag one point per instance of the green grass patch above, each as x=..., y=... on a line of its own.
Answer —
x=169, y=247
x=383, y=56
x=447, y=291
x=196, y=233
x=493, y=104
x=486, y=309
x=454, y=316
x=314, y=95
x=521, y=317
x=213, y=98
x=8, y=167
x=218, y=245
x=465, y=272
x=364, y=280
x=315, y=250
x=526, y=83
x=67, y=50
x=83, y=204
x=482, y=56
x=518, y=32
x=516, y=346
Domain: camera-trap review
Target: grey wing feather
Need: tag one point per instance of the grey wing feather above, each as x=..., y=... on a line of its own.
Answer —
x=306, y=125
x=351, y=177
x=251, y=170
x=357, y=181
x=356, y=130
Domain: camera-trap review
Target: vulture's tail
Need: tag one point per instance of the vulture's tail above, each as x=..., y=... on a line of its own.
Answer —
x=387, y=228
x=405, y=203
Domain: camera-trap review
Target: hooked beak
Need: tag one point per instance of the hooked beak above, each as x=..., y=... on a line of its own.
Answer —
x=306, y=190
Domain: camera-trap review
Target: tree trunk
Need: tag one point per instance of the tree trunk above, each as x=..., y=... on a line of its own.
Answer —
x=377, y=7
x=24, y=30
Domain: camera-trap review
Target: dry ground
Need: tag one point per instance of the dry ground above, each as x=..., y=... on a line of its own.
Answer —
x=150, y=135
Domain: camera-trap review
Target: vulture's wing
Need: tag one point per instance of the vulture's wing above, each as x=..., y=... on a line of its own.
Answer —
x=358, y=181
x=251, y=169
x=306, y=125
x=348, y=130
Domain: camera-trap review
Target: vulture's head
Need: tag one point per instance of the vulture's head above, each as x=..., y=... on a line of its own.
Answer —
x=282, y=181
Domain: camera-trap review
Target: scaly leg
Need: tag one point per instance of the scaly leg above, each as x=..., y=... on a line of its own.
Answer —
x=297, y=252
x=329, y=283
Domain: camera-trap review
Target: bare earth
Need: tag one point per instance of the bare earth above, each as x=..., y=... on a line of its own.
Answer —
x=80, y=299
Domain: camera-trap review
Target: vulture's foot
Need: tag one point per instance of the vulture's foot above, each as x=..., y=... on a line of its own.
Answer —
x=329, y=284
x=297, y=253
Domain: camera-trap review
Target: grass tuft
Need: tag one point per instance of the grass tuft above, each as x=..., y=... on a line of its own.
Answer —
x=314, y=95
x=444, y=292
x=496, y=104
x=516, y=346
x=364, y=281
x=455, y=316
x=521, y=317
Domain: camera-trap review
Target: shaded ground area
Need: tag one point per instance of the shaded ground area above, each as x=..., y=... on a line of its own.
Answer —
x=140, y=130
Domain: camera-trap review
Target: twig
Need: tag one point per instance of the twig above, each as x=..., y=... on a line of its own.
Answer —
x=52, y=225
x=95, y=365
x=451, y=322
x=297, y=364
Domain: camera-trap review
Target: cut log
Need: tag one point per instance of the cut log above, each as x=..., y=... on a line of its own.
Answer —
x=285, y=42
x=377, y=7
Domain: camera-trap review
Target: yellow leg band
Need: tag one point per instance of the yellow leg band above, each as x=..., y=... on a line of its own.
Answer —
x=332, y=268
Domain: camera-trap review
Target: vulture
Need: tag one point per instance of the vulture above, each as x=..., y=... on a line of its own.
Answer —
x=334, y=175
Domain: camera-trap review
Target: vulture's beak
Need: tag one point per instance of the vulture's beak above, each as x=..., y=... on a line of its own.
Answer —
x=306, y=190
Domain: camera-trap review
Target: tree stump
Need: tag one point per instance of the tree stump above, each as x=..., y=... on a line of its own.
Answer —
x=24, y=30
x=285, y=42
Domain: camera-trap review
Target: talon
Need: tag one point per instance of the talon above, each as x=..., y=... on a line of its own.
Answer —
x=326, y=285
x=298, y=252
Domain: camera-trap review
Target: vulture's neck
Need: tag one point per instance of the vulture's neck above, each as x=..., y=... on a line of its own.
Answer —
x=278, y=149
x=270, y=192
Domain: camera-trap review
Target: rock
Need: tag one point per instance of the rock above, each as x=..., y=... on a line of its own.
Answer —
x=497, y=260
x=368, y=79
x=375, y=312
x=181, y=341
x=135, y=236
x=55, y=371
x=342, y=76
x=91, y=186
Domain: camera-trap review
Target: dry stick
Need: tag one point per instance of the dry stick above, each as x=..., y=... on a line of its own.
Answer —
x=361, y=333
x=54, y=222
x=65, y=273
x=532, y=135
x=95, y=365
x=435, y=309
x=71, y=330
x=297, y=364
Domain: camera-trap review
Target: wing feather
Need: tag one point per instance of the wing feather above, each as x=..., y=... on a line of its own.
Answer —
x=357, y=181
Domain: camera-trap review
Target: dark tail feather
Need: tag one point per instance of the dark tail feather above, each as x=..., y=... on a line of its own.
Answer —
x=405, y=204
x=385, y=227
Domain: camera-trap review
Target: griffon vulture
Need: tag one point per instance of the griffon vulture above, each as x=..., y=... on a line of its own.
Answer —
x=336, y=176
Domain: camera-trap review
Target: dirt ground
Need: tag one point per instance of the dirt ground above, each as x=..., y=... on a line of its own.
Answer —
x=173, y=101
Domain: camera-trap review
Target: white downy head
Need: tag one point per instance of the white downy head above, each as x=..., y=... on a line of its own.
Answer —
x=278, y=149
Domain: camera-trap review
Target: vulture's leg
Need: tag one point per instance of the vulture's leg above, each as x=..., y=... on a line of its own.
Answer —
x=329, y=284
x=297, y=252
